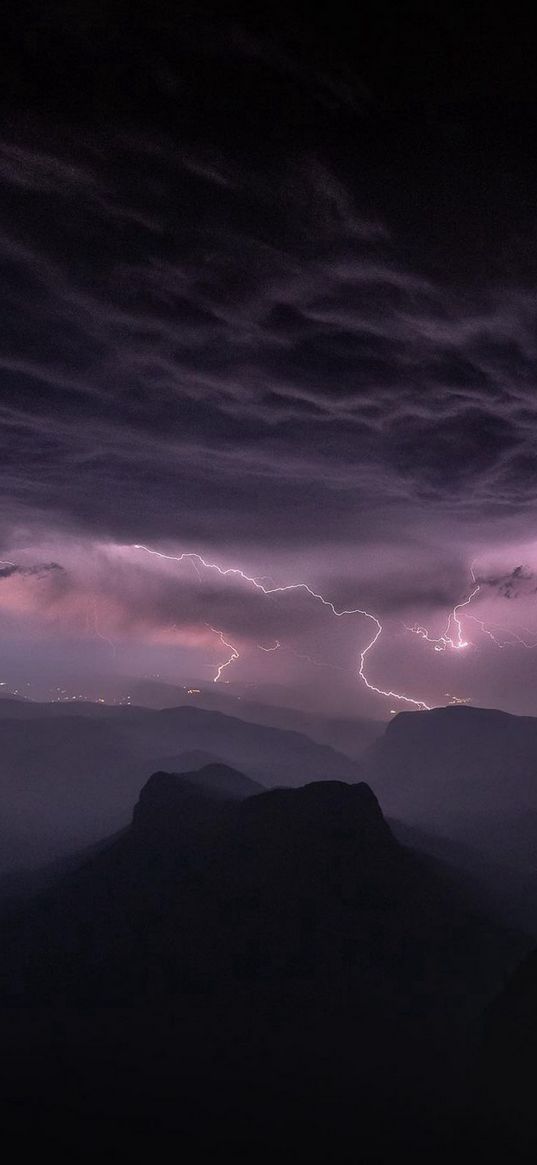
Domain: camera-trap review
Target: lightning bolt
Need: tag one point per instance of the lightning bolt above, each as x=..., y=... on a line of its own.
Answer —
x=457, y=641
x=234, y=653
x=269, y=649
x=486, y=631
x=98, y=631
x=505, y=631
x=236, y=572
x=461, y=641
x=529, y=646
x=452, y=639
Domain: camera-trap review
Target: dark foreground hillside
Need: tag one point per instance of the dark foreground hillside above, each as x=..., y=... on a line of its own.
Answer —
x=268, y=972
x=505, y=1089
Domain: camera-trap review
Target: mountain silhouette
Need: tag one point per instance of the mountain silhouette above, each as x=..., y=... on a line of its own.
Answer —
x=466, y=779
x=66, y=780
x=237, y=959
x=351, y=736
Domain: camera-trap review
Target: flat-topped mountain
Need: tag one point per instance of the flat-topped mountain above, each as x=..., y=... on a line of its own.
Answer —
x=466, y=780
x=455, y=759
x=215, y=777
x=185, y=812
x=292, y=880
x=252, y=957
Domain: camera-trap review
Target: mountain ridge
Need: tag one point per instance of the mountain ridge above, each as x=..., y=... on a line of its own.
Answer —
x=68, y=779
x=467, y=777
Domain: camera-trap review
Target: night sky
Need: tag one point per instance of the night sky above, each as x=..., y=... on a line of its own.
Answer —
x=269, y=294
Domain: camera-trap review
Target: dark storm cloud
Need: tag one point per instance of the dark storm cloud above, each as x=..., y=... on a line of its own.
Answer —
x=135, y=598
x=39, y=570
x=174, y=605
x=268, y=297
x=512, y=584
x=189, y=345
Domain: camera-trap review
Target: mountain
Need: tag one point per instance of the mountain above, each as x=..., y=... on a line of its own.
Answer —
x=217, y=779
x=67, y=778
x=63, y=784
x=247, y=972
x=351, y=736
x=270, y=755
x=467, y=778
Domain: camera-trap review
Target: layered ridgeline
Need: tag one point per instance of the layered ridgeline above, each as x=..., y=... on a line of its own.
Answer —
x=69, y=775
x=351, y=736
x=461, y=783
x=251, y=969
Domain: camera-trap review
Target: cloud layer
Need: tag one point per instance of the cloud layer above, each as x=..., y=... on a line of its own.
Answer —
x=223, y=350
x=261, y=309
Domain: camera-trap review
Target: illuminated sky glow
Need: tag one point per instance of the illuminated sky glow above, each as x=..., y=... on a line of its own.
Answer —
x=284, y=324
x=139, y=610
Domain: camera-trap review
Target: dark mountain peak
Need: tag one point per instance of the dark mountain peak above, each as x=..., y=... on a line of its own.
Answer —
x=216, y=777
x=164, y=790
x=320, y=813
x=177, y=806
x=181, y=815
x=165, y=793
x=331, y=796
